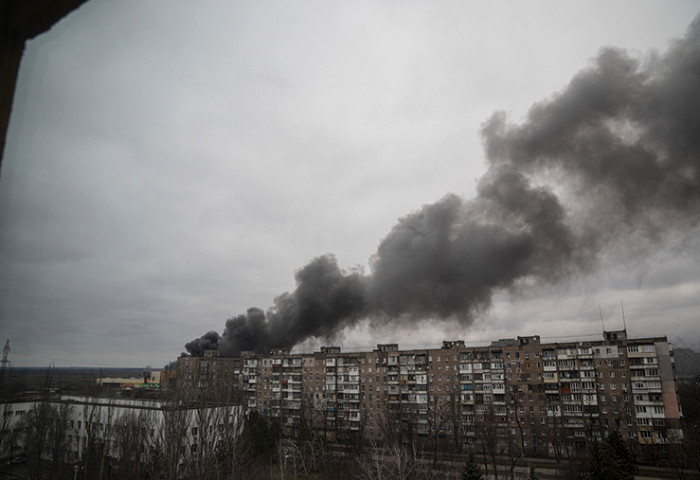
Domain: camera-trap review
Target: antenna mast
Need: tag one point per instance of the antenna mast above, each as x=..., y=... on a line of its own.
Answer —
x=600, y=310
x=5, y=362
x=624, y=322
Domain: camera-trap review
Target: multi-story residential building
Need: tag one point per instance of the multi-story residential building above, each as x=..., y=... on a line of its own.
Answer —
x=543, y=396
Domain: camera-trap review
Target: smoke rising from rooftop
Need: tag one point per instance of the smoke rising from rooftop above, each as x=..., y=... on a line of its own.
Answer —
x=616, y=152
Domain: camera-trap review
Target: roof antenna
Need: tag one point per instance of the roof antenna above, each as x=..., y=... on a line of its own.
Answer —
x=600, y=310
x=624, y=322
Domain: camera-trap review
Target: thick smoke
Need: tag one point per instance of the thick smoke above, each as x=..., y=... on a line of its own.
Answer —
x=617, y=152
x=208, y=341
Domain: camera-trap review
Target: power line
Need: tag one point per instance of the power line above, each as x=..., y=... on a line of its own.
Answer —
x=70, y=361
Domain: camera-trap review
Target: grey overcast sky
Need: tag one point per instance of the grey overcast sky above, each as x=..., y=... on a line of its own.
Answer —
x=171, y=164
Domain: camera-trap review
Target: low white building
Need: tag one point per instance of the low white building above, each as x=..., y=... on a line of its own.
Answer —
x=177, y=429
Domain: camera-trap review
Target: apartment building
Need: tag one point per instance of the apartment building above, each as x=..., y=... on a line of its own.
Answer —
x=544, y=396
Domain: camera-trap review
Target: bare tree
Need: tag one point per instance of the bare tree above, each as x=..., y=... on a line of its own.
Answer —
x=393, y=462
x=58, y=438
x=106, y=433
x=454, y=415
x=683, y=446
x=515, y=444
x=170, y=446
x=35, y=426
x=90, y=416
x=134, y=439
x=488, y=436
x=8, y=439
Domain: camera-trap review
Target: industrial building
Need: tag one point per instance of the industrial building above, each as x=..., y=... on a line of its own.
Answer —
x=545, y=396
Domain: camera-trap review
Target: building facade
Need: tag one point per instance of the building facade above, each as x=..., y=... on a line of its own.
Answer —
x=545, y=397
x=121, y=425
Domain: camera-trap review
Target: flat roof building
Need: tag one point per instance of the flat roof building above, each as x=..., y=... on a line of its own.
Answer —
x=545, y=396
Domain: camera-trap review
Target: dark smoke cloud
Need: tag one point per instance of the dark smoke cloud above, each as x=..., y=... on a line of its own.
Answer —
x=616, y=152
x=208, y=341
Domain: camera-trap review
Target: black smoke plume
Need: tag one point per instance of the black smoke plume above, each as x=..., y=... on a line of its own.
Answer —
x=615, y=153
